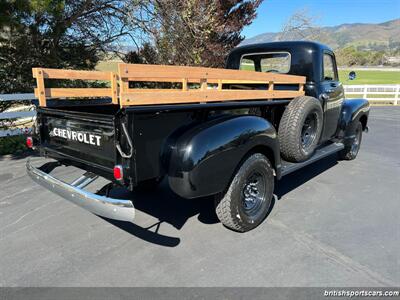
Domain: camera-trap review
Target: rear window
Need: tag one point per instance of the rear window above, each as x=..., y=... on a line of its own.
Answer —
x=247, y=64
x=276, y=62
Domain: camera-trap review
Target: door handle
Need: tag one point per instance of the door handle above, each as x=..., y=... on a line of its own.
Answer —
x=324, y=97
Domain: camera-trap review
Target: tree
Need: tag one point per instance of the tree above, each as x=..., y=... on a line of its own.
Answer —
x=198, y=32
x=144, y=55
x=301, y=26
x=54, y=33
x=350, y=56
x=78, y=33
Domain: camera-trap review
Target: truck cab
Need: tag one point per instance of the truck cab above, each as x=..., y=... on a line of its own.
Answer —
x=315, y=61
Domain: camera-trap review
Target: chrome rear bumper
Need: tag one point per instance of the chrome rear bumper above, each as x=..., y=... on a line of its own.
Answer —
x=116, y=209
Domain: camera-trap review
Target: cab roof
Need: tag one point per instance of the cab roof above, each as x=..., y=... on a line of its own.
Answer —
x=293, y=45
x=306, y=56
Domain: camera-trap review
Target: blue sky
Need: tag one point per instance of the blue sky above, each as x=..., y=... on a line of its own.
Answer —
x=273, y=13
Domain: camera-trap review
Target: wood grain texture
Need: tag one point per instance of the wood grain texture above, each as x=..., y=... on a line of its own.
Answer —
x=75, y=92
x=41, y=94
x=114, y=88
x=184, y=84
x=204, y=77
x=178, y=72
x=193, y=96
x=152, y=90
x=74, y=74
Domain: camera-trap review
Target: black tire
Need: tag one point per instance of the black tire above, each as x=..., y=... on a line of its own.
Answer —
x=248, y=199
x=300, y=128
x=351, y=150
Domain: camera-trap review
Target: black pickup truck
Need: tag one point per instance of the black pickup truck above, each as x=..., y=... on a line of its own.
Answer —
x=235, y=151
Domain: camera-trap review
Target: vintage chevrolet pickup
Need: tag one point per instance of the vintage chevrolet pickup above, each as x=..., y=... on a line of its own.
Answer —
x=229, y=133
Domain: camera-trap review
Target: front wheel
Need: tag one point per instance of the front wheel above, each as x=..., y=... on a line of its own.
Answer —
x=248, y=199
x=350, y=151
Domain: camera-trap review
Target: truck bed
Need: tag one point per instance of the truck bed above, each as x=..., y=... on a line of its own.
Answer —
x=186, y=85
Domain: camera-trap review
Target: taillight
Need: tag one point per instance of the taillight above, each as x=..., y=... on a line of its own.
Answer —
x=118, y=172
x=29, y=142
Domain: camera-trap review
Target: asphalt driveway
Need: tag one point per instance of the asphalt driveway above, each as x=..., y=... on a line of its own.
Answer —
x=334, y=224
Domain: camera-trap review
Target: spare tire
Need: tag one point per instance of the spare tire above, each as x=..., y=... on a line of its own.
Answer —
x=300, y=128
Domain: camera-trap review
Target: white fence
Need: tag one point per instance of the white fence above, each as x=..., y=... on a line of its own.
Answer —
x=376, y=93
x=14, y=119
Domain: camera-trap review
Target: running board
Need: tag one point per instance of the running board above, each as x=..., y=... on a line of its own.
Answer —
x=289, y=167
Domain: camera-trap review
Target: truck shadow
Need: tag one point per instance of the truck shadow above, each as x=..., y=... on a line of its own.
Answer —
x=166, y=207
x=169, y=208
x=19, y=155
x=299, y=177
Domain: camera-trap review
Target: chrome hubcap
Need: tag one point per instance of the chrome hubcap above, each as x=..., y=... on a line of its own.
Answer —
x=356, y=143
x=253, y=193
x=309, y=131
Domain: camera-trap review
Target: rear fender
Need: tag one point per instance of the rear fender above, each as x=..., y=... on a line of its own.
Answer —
x=202, y=160
x=353, y=111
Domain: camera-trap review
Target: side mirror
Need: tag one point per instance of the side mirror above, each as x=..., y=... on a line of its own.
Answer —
x=352, y=75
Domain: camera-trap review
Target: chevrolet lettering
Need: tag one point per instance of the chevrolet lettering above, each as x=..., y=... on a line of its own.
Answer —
x=79, y=136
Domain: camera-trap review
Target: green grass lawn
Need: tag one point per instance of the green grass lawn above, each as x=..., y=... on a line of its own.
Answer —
x=108, y=66
x=364, y=76
x=371, y=77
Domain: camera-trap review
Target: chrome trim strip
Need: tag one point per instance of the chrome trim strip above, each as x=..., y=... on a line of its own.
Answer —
x=111, y=208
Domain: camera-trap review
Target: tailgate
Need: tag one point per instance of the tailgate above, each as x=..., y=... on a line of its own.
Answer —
x=78, y=137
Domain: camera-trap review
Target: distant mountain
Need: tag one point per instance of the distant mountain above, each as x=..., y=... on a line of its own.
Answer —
x=381, y=36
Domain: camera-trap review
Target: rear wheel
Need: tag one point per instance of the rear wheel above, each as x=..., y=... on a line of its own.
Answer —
x=350, y=151
x=300, y=128
x=248, y=199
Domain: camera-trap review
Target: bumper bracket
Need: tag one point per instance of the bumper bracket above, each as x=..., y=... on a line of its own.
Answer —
x=117, y=209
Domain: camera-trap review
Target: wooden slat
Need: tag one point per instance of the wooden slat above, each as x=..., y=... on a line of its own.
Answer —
x=160, y=79
x=151, y=98
x=161, y=71
x=114, y=88
x=41, y=95
x=123, y=87
x=73, y=74
x=184, y=84
x=152, y=90
x=203, y=84
x=233, y=81
x=76, y=92
x=197, y=80
x=123, y=84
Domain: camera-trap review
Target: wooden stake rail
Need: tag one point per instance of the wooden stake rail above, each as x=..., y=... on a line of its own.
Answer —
x=43, y=93
x=210, y=85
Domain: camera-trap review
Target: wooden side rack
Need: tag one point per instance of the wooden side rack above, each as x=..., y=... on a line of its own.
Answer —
x=196, y=85
x=43, y=93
